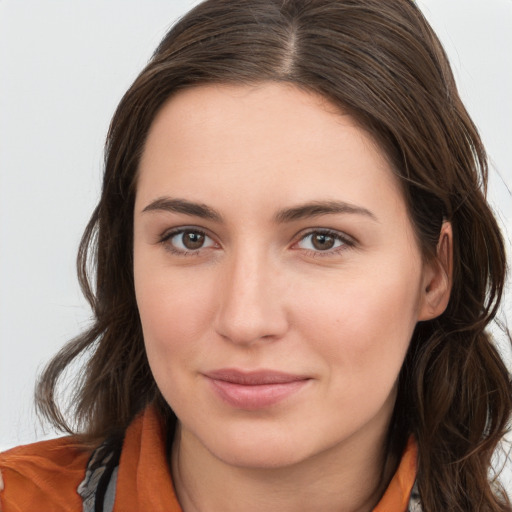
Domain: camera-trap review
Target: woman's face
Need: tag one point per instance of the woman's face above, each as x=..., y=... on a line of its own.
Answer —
x=277, y=274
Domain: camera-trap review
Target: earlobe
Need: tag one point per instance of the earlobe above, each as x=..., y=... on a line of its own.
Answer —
x=437, y=283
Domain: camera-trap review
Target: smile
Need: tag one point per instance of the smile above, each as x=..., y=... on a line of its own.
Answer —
x=254, y=390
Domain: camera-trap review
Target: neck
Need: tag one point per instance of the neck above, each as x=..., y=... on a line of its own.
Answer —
x=350, y=478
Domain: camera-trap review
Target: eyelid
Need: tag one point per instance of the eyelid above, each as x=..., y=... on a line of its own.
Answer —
x=164, y=239
x=348, y=242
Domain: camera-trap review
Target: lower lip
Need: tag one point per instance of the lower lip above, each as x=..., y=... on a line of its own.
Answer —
x=256, y=396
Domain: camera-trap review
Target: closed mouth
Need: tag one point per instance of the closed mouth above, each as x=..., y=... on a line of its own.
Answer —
x=254, y=378
x=254, y=390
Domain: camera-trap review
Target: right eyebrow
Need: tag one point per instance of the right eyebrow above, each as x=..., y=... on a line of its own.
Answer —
x=176, y=205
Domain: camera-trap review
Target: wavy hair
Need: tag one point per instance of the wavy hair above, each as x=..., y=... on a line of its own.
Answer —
x=381, y=62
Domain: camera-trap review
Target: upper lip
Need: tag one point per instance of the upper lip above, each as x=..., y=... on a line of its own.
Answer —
x=254, y=377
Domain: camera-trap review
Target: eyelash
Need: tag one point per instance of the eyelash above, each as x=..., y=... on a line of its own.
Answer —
x=165, y=241
x=346, y=242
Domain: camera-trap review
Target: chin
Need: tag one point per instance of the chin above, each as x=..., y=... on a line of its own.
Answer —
x=264, y=455
x=261, y=445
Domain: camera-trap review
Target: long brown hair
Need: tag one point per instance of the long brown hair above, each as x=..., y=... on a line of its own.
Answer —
x=380, y=61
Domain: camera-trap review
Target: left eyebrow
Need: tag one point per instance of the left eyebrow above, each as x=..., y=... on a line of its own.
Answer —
x=317, y=208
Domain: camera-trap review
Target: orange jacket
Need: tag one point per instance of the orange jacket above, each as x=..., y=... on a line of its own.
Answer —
x=44, y=476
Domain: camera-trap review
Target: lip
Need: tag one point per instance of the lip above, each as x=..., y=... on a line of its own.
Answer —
x=251, y=390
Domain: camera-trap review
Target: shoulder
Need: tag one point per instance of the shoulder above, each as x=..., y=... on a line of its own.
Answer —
x=43, y=476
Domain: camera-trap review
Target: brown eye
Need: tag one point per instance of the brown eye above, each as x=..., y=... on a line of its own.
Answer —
x=322, y=242
x=193, y=240
x=185, y=241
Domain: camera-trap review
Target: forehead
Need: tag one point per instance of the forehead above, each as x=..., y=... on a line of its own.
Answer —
x=208, y=112
x=272, y=141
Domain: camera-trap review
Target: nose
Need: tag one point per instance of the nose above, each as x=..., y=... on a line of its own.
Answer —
x=251, y=307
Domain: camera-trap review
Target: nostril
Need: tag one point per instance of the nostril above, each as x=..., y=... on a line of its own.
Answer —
x=247, y=325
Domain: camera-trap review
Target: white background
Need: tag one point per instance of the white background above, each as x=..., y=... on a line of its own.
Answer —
x=63, y=68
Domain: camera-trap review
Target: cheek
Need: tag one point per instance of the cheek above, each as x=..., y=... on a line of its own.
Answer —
x=173, y=312
x=363, y=322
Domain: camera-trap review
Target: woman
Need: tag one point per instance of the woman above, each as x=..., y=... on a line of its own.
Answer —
x=287, y=312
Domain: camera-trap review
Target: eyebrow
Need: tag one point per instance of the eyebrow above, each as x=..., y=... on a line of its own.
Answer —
x=183, y=206
x=317, y=208
x=306, y=210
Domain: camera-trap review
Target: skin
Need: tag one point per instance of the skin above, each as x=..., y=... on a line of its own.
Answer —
x=257, y=293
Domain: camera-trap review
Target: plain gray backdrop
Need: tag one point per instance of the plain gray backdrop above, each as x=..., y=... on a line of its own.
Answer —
x=63, y=68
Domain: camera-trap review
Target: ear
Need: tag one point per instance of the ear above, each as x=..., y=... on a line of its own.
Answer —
x=437, y=281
